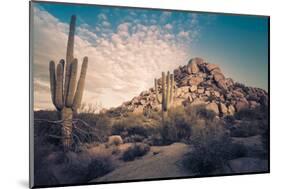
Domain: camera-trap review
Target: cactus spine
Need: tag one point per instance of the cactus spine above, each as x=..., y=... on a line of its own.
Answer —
x=167, y=93
x=66, y=96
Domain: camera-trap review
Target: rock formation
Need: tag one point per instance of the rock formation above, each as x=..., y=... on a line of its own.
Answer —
x=200, y=82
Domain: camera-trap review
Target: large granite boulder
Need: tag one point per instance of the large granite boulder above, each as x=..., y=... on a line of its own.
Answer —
x=192, y=67
x=213, y=107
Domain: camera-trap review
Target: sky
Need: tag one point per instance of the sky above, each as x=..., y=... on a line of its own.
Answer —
x=128, y=48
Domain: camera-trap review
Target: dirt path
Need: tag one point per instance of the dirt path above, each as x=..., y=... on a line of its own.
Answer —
x=160, y=162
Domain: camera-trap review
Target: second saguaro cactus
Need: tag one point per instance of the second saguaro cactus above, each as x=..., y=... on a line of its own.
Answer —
x=66, y=95
x=168, y=91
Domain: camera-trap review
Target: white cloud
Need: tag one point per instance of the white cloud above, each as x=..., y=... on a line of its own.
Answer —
x=102, y=16
x=105, y=24
x=121, y=65
x=168, y=26
x=183, y=34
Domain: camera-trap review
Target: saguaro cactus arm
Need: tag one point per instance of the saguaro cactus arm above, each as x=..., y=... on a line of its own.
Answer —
x=80, y=85
x=52, y=71
x=172, y=90
x=59, y=86
x=156, y=91
x=72, y=84
x=168, y=91
x=69, y=53
x=164, y=92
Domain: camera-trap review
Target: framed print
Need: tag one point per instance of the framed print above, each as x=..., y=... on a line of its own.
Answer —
x=122, y=94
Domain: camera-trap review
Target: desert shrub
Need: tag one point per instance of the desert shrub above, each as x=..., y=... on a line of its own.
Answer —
x=73, y=167
x=134, y=125
x=199, y=112
x=85, y=166
x=137, y=150
x=168, y=133
x=176, y=126
x=246, y=129
x=204, y=113
x=46, y=115
x=229, y=119
x=211, y=148
x=247, y=114
x=100, y=126
x=237, y=150
x=134, y=138
x=180, y=123
x=259, y=113
x=265, y=142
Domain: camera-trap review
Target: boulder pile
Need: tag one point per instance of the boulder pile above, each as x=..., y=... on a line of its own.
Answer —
x=197, y=83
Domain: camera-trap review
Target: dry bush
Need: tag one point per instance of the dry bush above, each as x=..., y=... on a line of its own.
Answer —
x=178, y=126
x=247, y=129
x=73, y=167
x=212, y=147
x=258, y=113
x=134, y=125
x=137, y=150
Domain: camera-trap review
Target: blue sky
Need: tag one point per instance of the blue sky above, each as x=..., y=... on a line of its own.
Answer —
x=145, y=41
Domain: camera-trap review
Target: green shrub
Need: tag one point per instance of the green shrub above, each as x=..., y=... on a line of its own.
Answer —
x=137, y=150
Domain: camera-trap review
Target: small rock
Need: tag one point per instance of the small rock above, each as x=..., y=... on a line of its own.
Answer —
x=185, y=89
x=145, y=93
x=197, y=102
x=222, y=84
x=138, y=110
x=208, y=93
x=237, y=93
x=241, y=104
x=211, y=67
x=253, y=104
x=213, y=107
x=218, y=77
x=223, y=108
x=200, y=91
x=195, y=80
x=229, y=82
x=231, y=110
x=142, y=101
x=115, y=140
x=193, y=88
x=216, y=94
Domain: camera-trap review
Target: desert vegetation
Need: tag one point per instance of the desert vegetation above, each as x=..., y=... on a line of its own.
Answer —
x=195, y=115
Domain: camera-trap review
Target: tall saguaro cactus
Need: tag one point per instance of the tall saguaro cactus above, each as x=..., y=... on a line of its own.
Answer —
x=66, y=96
x=167, y=93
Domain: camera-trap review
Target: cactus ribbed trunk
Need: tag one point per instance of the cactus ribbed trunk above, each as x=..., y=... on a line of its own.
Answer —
x=66, y=117
x=65, y=95
x=167, y=94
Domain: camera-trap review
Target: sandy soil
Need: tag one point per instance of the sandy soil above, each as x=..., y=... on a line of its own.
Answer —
x=160, y=162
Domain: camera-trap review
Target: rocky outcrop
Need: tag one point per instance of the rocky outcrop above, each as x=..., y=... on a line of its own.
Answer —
x=200, y=82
